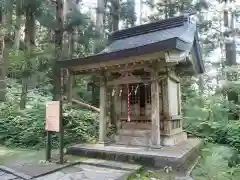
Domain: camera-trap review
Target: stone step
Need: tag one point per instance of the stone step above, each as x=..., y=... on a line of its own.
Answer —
x=94, y=169
x=112, y=164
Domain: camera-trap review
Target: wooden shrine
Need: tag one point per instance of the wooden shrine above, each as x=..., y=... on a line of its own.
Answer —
x=140, y=69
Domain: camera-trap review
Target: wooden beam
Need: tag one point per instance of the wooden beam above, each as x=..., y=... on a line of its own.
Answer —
x=173, y=77
x=113, y=83
x=132, y=66
x=135, y=59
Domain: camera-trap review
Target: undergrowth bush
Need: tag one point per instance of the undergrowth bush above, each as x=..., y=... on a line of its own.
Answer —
x=25, y=128
x=207, y=117
x=213, y=164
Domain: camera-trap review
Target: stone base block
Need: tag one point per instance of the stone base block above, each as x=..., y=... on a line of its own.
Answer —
x=143, y=138
x=179, y=157
x=134, y=138
x=173, y=139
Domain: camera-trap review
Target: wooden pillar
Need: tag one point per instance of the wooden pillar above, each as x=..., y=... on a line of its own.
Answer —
x=180, y=104
x=117, y=106
x=155, y=110
x=69, y=86
x=167, y=124
x=103, y=108
x=179, y=99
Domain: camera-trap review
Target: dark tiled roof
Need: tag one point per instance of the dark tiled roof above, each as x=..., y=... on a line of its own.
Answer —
x=138, y=36
x=150, y=27
x=145, y=39
x=176, y=33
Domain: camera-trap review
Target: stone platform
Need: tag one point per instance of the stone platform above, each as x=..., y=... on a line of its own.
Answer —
x=179, y=157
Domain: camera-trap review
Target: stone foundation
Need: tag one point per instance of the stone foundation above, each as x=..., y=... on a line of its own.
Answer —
x=134, y=138
x=179, y=157
x=143, y=138
x=173, y=139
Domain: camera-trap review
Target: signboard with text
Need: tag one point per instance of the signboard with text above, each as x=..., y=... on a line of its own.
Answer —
x=52, y=116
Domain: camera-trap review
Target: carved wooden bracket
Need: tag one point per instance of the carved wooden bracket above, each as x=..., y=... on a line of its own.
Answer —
x=126, y=78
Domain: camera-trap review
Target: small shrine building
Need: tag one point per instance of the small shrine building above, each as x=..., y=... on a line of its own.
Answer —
x=140, y=69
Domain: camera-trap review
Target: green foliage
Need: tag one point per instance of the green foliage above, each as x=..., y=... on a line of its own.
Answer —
x=26, y=128
x=143, y=174
x=127, y=12
x=213, y=164
x=208, y=117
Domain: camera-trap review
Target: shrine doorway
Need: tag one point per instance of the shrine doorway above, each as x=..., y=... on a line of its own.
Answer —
x=137, y=104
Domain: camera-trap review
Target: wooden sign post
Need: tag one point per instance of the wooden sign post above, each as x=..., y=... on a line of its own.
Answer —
x=52, y=116
x=54, y=123
x=61, y=130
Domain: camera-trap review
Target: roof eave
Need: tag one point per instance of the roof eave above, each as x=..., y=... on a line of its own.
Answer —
x=138, y=51
x=198, y=63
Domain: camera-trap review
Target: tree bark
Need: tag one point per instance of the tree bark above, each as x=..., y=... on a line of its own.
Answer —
x=18, y=25
x=100, y=27
x=100, y=16
x=7, y=38
x=70, y=76
x=6, y=20
x=140, y=9
x=115, y=8
x=231, y=57
x=2, y=65
x=29, y=42
x=58, y=50
x=115, y=27
x=130, y=21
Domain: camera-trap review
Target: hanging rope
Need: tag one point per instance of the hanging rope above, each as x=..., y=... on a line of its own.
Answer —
x=129, y=105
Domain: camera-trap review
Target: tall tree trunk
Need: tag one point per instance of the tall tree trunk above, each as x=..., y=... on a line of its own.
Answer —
x=58, y=50
x=65, y=33
x=50, y=36
x=115, y=7
x=2, y=65
x=29, y=42
x=140, y=12
x=70, y=76
x=171, y=9
x=18, y=25
x=166, y=9
x=100, y=27
x=115, y=27
x=100, y=16
x=130, y=21
x=6, y=45
x=231, y=58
